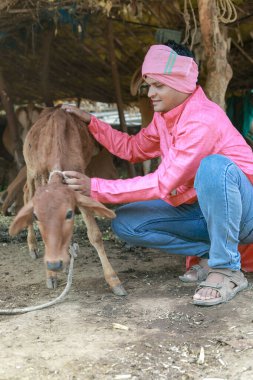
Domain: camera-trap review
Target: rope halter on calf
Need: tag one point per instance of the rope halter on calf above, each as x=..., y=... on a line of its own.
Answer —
x=58, y=172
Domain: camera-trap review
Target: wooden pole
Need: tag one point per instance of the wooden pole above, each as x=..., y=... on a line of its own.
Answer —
x=45, y=68
x=218, y=70
x=12, y=123
x=116, y=82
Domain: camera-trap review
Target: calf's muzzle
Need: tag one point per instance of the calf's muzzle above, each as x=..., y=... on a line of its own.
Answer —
x=55, y=266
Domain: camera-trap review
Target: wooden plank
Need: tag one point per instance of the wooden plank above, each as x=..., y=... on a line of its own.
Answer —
x=116, y=82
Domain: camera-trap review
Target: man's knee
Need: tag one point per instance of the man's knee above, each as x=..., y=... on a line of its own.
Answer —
x=213, y=163
x=210, y=167
x=119, y=225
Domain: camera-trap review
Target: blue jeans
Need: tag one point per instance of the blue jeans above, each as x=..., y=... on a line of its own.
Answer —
x=212, y=227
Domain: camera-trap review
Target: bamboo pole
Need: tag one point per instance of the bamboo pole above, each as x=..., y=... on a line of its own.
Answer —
x=116, y=82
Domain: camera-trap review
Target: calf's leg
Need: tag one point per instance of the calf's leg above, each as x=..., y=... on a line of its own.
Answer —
x=95, y=238
x=31, y=239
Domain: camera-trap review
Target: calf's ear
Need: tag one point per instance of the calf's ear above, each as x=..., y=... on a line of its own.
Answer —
x=23, y=219
x=97, y=207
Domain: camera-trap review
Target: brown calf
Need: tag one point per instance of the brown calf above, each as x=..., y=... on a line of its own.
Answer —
x=57, y=142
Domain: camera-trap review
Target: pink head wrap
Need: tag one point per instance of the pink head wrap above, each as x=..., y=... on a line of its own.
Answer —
x=163, y=64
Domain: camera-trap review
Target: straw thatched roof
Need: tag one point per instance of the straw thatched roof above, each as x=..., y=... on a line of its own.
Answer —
x=59, y=49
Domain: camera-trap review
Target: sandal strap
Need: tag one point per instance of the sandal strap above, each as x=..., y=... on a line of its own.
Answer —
x=206, y=284
x=234, y=276
x=196, y=267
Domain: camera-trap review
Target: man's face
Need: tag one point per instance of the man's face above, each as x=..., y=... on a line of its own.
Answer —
x=163, y=97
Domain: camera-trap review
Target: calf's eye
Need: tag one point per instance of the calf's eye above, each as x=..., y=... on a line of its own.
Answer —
x=69, y=214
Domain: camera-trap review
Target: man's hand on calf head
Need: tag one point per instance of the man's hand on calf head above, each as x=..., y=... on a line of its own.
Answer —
x=78, y=181
x=85, y=116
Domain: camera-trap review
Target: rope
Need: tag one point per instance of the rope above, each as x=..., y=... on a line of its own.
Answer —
x=73, y=253
x=195, y=26
x=226, y=13
x=187, y=23
x=56, y=171
x=226, y=7
x=187, y=19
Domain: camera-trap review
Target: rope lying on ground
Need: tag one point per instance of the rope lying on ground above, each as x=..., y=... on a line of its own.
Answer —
x=73, y=253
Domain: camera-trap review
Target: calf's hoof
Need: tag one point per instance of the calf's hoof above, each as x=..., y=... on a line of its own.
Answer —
x=119, y=290
x=34, y=253
x=51, y=282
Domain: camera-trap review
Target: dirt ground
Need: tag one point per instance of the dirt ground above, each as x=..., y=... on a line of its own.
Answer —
x=161, y=333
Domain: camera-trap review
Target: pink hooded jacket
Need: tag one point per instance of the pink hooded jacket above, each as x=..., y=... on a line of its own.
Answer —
x=182, y=137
